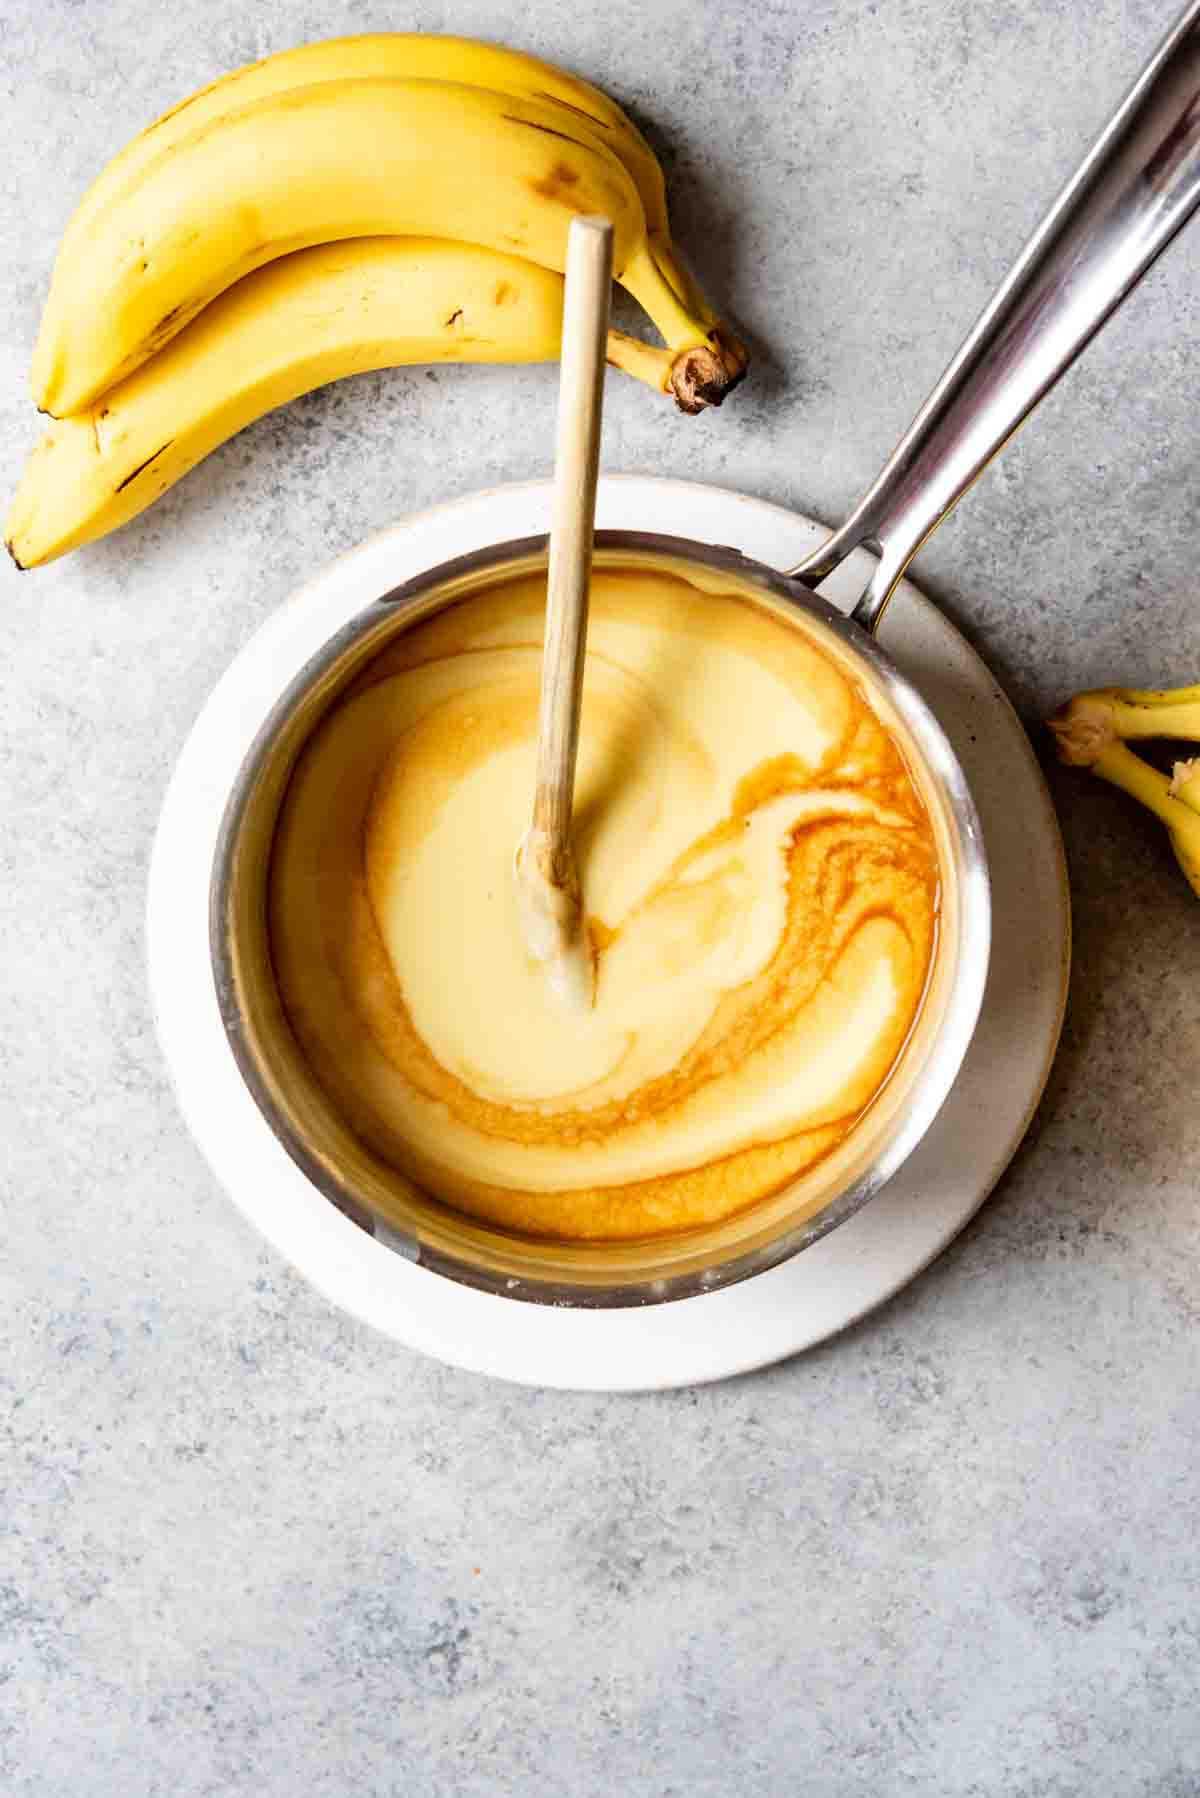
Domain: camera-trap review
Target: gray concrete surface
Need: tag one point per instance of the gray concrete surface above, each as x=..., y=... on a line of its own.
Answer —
x=248, y=1548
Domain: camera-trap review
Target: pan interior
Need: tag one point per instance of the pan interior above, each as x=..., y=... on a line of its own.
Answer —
x=364, y=1183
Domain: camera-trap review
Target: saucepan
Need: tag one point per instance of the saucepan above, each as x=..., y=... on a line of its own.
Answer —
x=1138, y=185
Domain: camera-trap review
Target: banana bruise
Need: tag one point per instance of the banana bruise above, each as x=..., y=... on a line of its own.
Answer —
x=710, y=359
x=306, y=319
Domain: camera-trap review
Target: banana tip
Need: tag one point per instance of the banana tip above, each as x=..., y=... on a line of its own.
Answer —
x=17, y=563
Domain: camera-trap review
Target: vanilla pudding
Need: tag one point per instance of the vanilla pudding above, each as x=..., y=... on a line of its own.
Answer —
x=760, y=880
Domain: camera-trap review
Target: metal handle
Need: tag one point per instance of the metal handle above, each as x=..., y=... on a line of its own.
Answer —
x=1137, y=187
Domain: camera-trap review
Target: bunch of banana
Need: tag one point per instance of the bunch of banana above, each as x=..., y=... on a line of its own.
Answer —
x=347, y=205
x=1093, y=731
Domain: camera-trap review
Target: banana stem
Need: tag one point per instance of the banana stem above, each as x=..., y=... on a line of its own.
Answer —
x=1091, y=731
x=707, y=360
x=644, y=279
x=680, y=279
x=1092, y=720
x=1121, y=768
x=644, y=361
x=688, y=376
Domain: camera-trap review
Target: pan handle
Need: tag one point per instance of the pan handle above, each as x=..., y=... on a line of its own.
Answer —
x=1138, y=185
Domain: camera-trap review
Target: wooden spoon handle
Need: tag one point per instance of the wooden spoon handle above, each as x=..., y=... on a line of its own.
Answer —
x=572, y=530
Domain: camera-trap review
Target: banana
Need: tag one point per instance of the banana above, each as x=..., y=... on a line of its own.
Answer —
x=409, y=56
x=303, y=320
x=339, y=159
x=1091, y=732
x=711, y=360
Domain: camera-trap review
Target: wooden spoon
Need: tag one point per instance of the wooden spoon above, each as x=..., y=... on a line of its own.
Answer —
x=548, y=891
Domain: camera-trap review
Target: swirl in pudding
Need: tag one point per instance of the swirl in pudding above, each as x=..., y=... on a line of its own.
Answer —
x=761, y=885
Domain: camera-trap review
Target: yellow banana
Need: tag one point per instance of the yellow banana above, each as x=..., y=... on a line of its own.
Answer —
x=711, y=359
x=335, y=160
x=305, y=319
x=1091, y=732
x=398, y=55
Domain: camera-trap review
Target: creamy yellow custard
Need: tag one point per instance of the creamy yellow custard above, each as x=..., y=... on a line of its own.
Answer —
x=760, y=881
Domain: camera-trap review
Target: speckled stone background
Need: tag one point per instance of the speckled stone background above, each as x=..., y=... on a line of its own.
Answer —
x=246, y=1547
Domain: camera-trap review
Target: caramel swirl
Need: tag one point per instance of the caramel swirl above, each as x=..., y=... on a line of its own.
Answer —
x=761, y=885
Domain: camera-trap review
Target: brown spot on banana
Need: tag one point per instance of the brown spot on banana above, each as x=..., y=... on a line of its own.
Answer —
x=557, y=185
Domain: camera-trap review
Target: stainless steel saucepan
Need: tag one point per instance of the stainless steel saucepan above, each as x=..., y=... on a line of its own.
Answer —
x=1136, y=188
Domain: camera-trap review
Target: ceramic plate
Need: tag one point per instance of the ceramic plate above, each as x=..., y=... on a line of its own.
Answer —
x=761, y=1320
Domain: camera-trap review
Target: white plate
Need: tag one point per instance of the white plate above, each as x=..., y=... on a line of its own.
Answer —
x=760, y=1320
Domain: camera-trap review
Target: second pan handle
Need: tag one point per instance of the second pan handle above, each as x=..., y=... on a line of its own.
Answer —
x=1134, y=190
